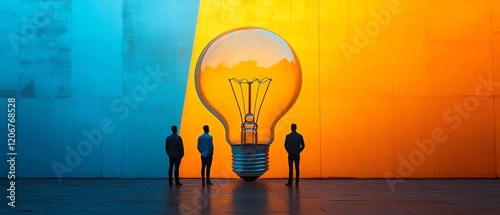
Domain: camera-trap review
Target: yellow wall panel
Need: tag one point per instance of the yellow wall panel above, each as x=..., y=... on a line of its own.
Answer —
x=497, y=134
x=356, y=136
x=305, y=42
x=409, y=62
x=495, y=16
x=334, y=30
x=354, y=50
x=377, y=76
x=458, y=45
x=433, y=138
x=492, y=82
x=496, y=78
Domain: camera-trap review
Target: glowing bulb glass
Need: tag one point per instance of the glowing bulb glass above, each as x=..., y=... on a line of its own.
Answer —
x=248, y=78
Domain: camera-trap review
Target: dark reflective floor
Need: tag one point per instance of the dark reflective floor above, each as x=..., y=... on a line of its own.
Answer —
x=265, y=196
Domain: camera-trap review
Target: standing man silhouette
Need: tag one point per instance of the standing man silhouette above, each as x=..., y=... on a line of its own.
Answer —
x=294, y=144
x=206, y=149
x=175, y=152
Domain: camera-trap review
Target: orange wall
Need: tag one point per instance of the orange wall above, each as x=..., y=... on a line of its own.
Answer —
x=417, y=74
x=495, y=27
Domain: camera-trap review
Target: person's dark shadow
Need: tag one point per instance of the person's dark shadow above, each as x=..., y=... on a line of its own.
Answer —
x=195, y=200
x=294, y=200
x=204, y=197
x=249, y=198
x=174, y=201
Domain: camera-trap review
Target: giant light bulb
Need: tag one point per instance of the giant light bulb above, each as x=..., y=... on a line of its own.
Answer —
x=248, y=78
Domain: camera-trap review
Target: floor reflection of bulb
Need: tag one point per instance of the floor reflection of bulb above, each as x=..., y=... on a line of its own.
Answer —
x=265, y=79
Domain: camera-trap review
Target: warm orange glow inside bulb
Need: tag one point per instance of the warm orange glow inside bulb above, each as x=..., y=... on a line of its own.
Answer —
x=246, y=55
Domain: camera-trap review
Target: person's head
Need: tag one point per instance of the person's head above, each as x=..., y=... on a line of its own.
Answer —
x=206, y=129
x=293, y=127
x=174, y=129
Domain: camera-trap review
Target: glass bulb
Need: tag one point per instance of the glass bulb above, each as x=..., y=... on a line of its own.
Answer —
x=248, y=78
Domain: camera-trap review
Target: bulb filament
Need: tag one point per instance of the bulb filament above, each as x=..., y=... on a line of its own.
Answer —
x=249, y=120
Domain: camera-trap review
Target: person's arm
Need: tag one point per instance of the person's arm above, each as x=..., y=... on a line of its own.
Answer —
x=181, y=147
x=166, y=147
x=286, y=143
x=302, y=143
x=199, y=144
x=211, y=146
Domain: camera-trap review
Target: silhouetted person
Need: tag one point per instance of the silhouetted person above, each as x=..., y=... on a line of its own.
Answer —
x=294, y=144
x=175, y=152
x=206, y=149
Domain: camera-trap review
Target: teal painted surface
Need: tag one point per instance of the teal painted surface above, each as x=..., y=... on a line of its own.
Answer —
x=97, y=84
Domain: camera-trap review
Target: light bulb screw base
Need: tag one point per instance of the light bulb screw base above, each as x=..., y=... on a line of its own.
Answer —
x=250, y=161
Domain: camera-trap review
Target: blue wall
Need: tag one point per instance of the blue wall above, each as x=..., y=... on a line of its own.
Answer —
x=98, y=84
